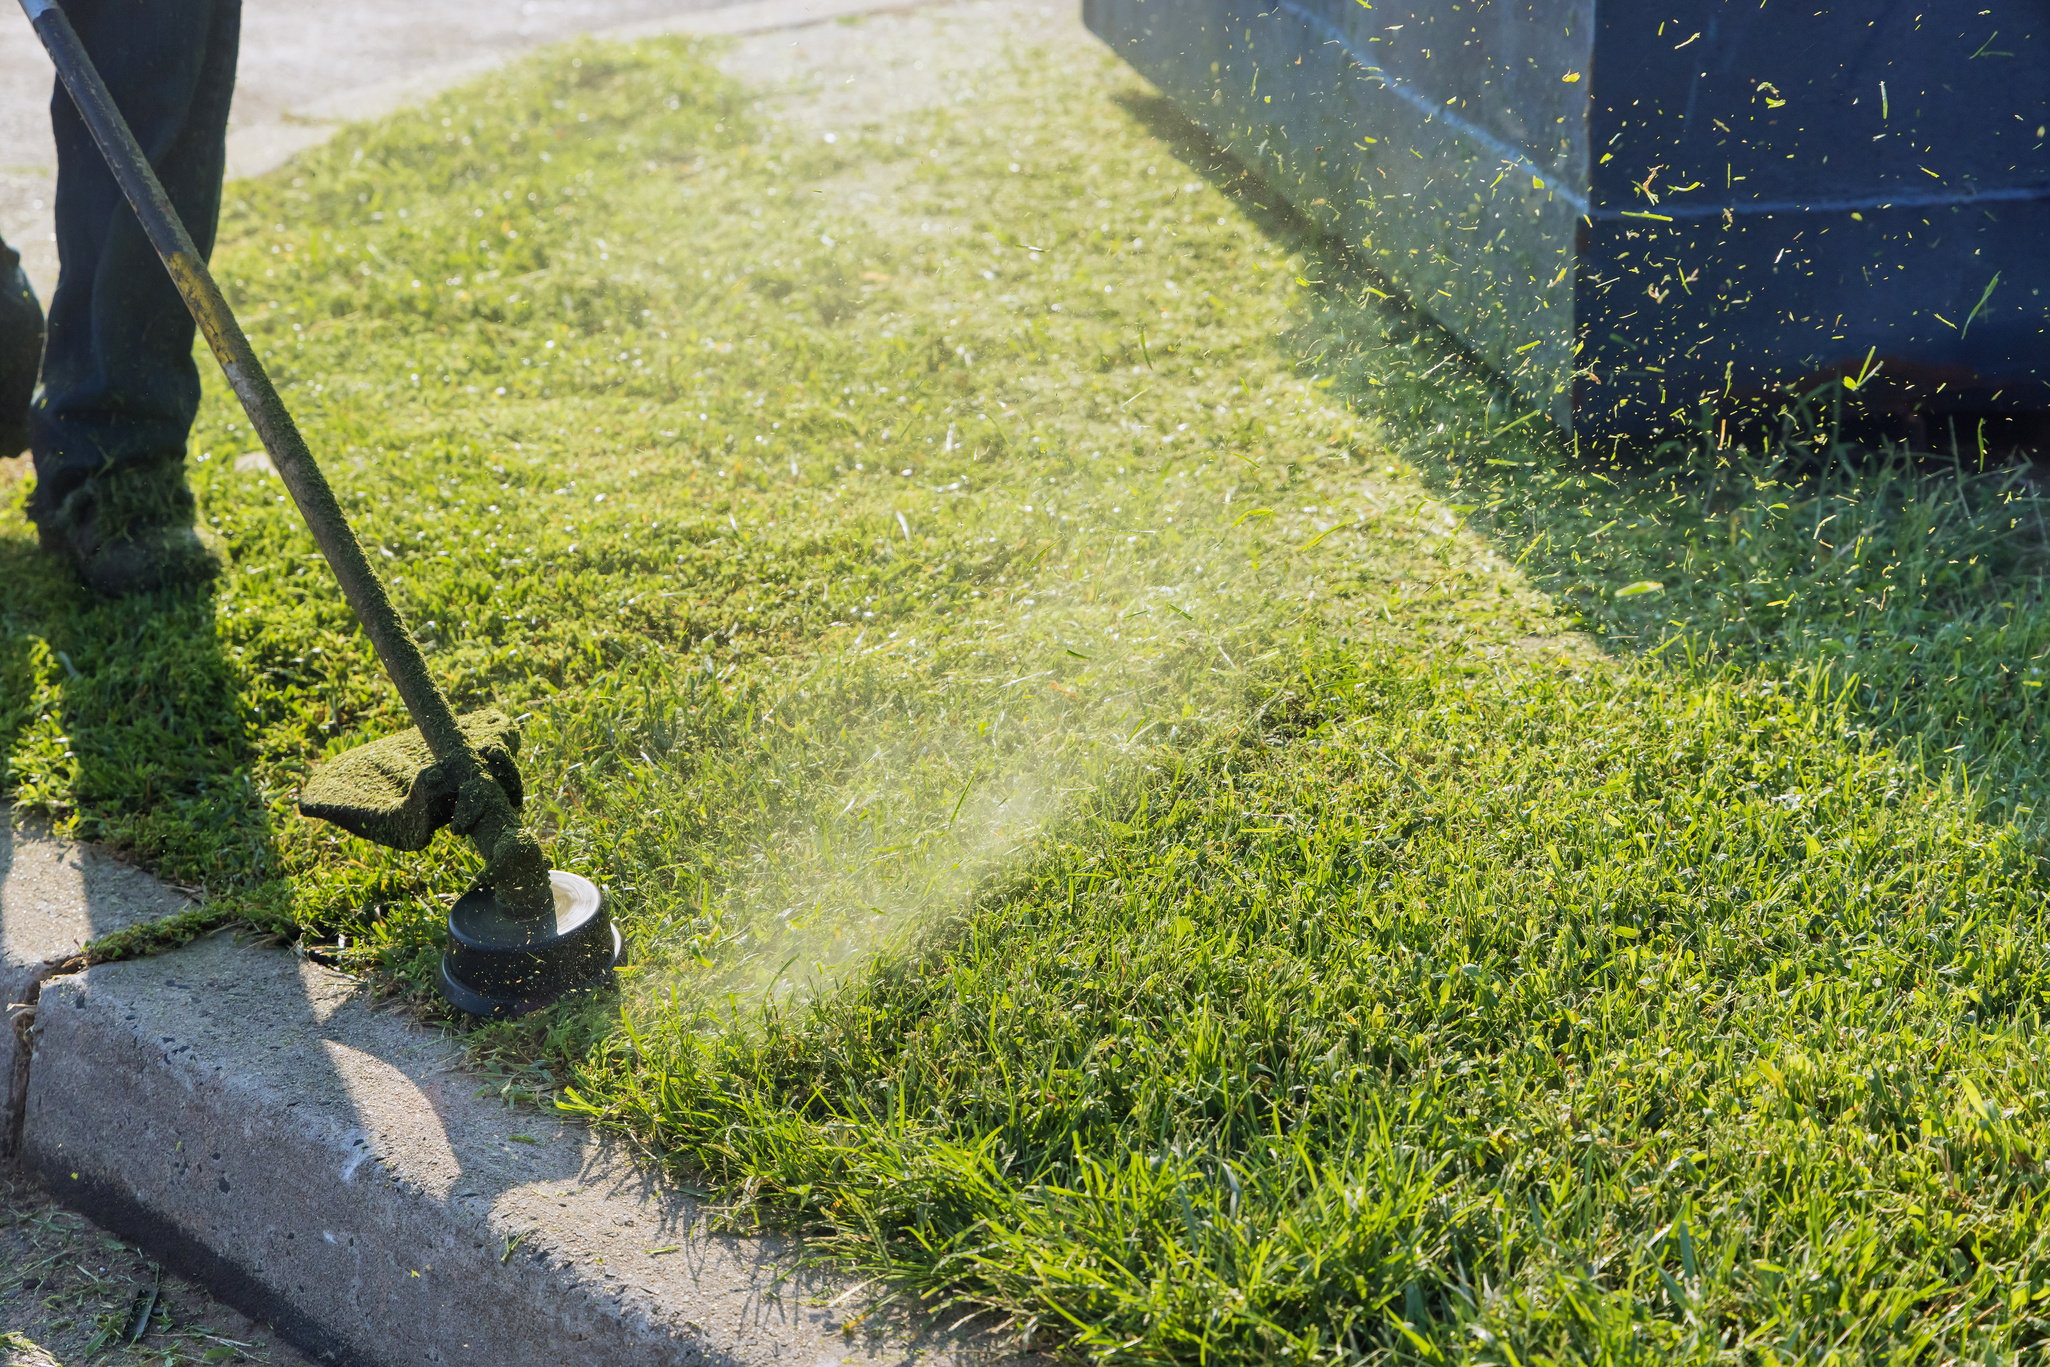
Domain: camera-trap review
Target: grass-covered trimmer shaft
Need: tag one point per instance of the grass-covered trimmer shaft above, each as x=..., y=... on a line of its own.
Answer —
x=525, y=934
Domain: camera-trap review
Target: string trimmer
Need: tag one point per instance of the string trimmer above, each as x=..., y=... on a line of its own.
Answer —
x=525, y=934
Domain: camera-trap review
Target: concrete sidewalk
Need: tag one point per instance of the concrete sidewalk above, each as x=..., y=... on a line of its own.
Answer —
x=307, y=68
x=300, y=61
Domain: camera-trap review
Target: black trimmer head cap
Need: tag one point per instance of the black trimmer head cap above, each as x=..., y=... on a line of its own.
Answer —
x=499, y=964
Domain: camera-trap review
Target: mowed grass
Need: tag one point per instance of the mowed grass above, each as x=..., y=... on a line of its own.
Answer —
x=1136, y=802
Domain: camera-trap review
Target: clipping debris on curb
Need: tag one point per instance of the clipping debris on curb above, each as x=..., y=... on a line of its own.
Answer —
x=243, y=1113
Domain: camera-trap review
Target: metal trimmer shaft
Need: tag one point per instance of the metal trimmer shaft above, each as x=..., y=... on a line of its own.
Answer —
x=526, y=904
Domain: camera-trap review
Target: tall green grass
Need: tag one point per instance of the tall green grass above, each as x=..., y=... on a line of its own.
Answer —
x=1139, y=799
x=1915, y=578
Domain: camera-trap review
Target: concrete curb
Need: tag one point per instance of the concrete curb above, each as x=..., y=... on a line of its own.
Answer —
x=247, y=1116
x=54, y=897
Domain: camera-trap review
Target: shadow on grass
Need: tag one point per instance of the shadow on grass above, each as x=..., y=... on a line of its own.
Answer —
x=1913, y=581
x=123, y=722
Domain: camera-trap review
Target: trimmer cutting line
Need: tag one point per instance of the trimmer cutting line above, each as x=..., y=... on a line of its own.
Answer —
x=525, y=934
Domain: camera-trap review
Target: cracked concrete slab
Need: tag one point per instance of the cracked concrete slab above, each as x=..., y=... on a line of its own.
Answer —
x=331, y=1168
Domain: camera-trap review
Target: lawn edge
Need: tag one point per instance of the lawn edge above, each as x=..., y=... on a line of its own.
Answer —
x=253, y=1120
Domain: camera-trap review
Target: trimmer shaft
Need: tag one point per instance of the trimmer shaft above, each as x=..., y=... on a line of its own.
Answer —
x=512, y=947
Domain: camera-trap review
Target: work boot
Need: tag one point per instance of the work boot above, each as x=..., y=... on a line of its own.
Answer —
x=129, y=529
x=21, y=351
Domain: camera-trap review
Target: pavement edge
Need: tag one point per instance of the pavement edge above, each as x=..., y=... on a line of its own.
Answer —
x=256, y=1121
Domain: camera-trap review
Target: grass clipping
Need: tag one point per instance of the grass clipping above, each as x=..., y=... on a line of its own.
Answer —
x=1141, y=796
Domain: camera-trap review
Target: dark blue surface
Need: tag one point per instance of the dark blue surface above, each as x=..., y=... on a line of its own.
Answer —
x=1635, y=212
x=1831, y=222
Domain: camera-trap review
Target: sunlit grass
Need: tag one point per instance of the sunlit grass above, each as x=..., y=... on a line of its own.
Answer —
x=1077, y=708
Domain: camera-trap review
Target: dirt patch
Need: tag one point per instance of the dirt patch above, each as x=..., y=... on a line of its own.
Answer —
x=70, y=1292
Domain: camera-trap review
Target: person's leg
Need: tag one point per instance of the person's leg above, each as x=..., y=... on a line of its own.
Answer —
x=119, y=386
x=21, y=349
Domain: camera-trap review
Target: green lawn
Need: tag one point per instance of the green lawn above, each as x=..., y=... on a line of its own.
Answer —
x=1139, y=798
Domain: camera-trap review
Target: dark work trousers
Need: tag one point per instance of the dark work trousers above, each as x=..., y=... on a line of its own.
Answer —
x=119, y=386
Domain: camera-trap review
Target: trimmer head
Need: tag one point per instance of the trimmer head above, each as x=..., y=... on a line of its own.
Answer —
x=509, y=950
x=499, y=964
x=502, y=959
